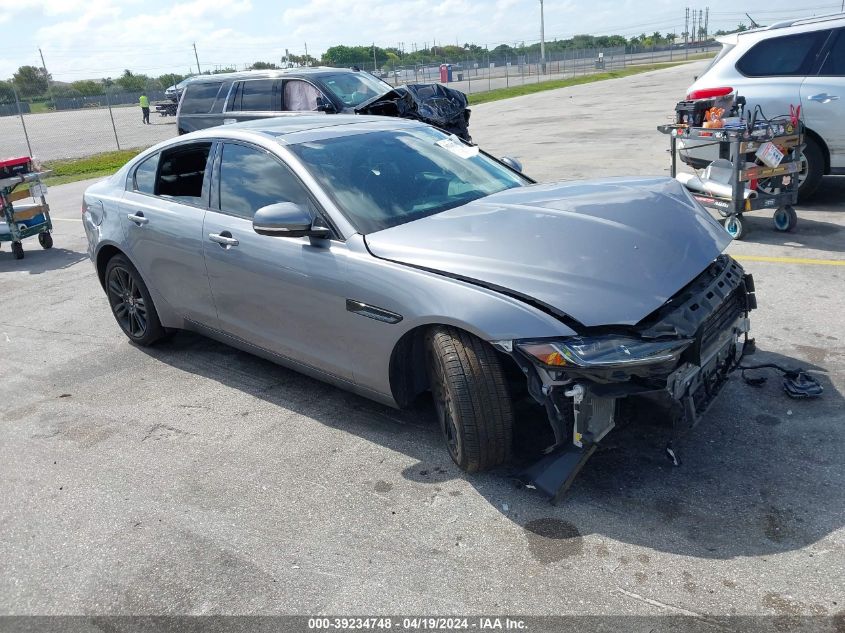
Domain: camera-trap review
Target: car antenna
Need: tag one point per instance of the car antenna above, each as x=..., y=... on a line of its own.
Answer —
x=356, y=69
x=753, y=23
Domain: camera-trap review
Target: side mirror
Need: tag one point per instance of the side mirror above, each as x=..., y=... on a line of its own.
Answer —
x=324, y=105
x=287, y=219
x=512, y=163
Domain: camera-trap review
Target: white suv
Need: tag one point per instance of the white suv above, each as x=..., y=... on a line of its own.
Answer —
x=800, y=62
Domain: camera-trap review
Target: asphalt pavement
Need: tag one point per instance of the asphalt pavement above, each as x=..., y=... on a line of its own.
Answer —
x=194, y=478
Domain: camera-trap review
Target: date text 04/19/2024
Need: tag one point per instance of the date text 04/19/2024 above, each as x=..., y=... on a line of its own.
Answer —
x=420, y=623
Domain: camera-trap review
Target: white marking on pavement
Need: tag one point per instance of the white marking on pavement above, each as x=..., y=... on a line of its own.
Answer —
x=656, y=603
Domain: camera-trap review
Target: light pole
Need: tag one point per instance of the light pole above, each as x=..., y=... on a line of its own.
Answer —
x=543, y=41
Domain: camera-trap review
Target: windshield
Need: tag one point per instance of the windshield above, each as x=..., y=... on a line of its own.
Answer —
x=355, y=88
x=386, y=178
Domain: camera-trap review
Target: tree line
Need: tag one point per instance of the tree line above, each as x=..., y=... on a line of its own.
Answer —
x=34, y=83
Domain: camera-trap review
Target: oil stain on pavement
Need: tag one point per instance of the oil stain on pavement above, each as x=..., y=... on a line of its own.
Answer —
x=552, y=540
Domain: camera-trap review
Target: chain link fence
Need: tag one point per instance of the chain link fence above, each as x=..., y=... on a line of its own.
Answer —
x=76, y=127
x=482, y=73
x=82, y=126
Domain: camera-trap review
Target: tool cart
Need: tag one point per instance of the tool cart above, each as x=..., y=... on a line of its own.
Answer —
x=736, y=183
x=23, y=220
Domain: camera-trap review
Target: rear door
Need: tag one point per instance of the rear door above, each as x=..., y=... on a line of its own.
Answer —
x=162, y=214
x=253, y=99
x=285, y=295
x=302, y=96
x=823, y=99
x=772, y=71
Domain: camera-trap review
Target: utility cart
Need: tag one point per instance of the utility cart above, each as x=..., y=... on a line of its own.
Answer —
x=736, y=186
x=166, y=108
x=23, y=220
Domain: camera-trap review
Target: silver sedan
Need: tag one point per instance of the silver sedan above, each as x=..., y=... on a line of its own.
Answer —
x=394, y=260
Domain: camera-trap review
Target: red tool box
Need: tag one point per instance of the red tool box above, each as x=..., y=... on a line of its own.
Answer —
x=15, y=166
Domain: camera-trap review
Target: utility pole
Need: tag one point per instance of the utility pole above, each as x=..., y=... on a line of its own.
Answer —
x=686, y=34
x=700, y=22
x=47, y=77
x=542, y=41
x=693, y=33
x=306, y=54
x=199, y=71
x=375, y=64
x=706, y=22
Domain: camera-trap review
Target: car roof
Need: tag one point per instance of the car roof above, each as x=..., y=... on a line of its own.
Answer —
x=309, y=71
x=290, y=129
x=823, y=22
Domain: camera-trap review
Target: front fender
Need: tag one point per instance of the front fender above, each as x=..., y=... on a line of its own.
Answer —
x=425, y=298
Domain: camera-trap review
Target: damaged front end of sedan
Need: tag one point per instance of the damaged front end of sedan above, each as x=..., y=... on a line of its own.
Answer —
x=683, y=352
x=434, y=104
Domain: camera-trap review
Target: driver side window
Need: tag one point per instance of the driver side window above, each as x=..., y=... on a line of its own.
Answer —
x=251, y=178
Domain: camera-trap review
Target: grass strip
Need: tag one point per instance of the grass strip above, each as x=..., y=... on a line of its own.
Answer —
x=527, y=89
x=96, y=166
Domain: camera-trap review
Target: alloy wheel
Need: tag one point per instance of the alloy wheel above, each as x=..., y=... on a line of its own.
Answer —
x=127, y=302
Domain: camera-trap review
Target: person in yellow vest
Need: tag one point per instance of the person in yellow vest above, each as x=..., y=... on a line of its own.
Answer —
x=144, y=101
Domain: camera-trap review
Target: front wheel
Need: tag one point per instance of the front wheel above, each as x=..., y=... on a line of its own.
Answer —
x=785, y=219
x=46, y=240
x=131, y=303
x=471, y=398
x=735, y=227
x=812, y=168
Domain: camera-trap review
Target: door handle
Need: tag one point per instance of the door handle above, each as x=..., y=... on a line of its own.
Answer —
x=823, y=97
x=223, y=239
x=138, y=218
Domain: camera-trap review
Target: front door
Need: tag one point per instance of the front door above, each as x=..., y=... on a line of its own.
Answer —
x=285, y=295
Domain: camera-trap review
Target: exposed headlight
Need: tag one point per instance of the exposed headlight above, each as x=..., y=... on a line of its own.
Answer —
x=603, y=351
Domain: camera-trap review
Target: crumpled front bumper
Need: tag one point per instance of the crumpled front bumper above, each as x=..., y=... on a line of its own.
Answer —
x=582, y=405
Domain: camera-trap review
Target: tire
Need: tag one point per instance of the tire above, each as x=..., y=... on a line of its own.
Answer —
x=735, y=227
x=17, y=250
x=785, y=219
x=814, y=157
x=131, y=303
x=46, y=240
x=471, y=398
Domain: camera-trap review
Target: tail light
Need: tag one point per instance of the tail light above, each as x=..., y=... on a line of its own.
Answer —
x=709, y=93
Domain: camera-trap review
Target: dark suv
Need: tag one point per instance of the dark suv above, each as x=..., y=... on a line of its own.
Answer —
x=232, y=97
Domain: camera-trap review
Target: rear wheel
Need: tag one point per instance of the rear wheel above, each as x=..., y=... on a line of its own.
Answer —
x=46, y=240
x=17, y=250
x=470, y=397
x=131, y=303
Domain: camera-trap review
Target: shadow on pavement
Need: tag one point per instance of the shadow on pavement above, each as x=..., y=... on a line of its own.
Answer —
x=37, y=260
x=760, y=474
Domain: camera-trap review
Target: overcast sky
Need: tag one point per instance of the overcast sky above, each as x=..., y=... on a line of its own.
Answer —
x=84, y=39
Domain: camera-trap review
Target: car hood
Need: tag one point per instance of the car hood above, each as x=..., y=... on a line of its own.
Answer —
x=600, y=252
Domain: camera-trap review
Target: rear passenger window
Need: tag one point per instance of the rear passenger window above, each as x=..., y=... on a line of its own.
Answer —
x=300, y=96
x=182, y=173
x=257, y=95
x=145, y=175
x=834, y=65
x=199, y=98
x=251, y=178
x=782, y=56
